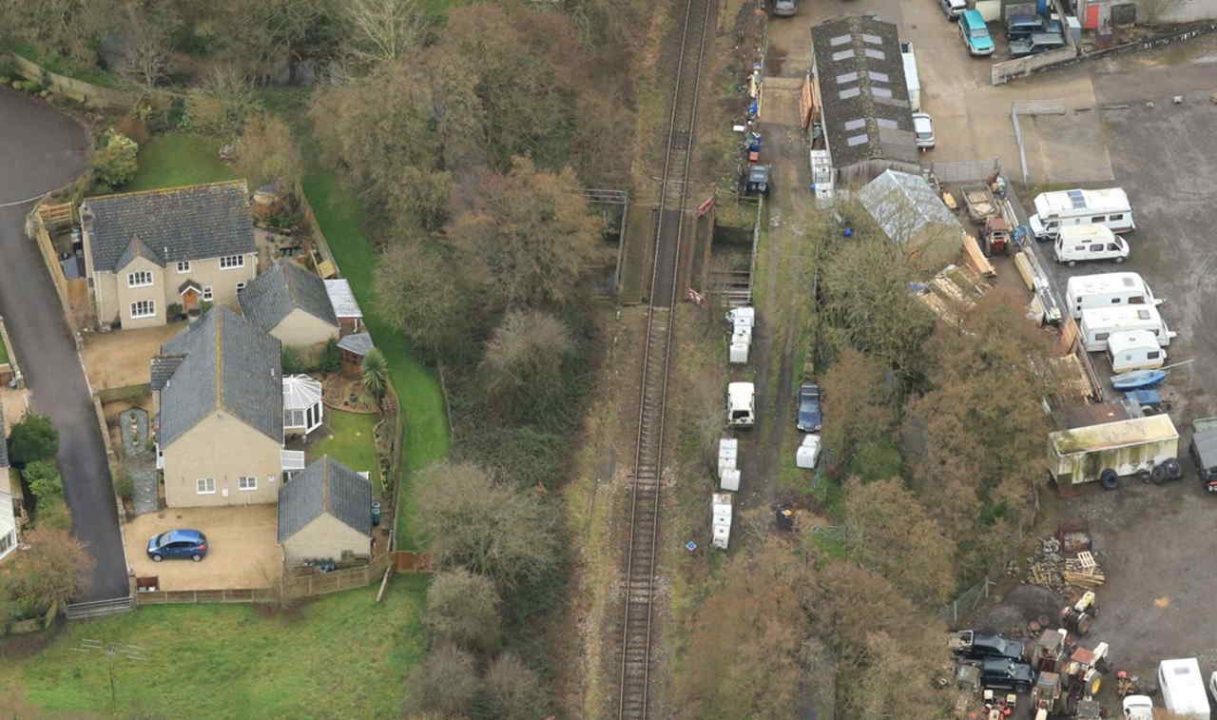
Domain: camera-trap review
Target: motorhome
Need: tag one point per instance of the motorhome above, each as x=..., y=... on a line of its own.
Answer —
x=1182, y=688
x=1055, y=210
x=741, y=404
x=1097, y=325
x=1134, y=350
x=1080, y=243
x=1105, y=290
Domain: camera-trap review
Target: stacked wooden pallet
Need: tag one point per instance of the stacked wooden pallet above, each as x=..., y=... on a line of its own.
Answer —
x=1083, y=571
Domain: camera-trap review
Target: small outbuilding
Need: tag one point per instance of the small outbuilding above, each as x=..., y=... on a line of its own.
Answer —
x=346, y=307
x=303, y=409
x=290, y=304
x=354, y=348
x=913, y=216
x=325, y=513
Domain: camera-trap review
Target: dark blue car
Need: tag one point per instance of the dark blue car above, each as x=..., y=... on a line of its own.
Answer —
x=809, y=419
x=178, y=545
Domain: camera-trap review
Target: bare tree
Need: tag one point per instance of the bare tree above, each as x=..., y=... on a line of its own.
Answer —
x=444, y=683
x=523, y=364
x=462, y=608
x=267, y=151
x=146, y=42
x=384, y=29
x=515, y=692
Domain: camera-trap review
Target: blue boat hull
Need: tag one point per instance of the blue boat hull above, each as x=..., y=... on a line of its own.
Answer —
x=1138, y=380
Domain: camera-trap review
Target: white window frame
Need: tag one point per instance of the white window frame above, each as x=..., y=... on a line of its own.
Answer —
x=138, y=305
x=140, y=278
x=247, y=483
x=183, y=267
x=232, y=262
x=205, y=486
x=241, y=286
x=208, y=294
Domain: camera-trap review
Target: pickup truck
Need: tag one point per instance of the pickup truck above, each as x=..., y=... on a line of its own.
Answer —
x=1204, y=451
x=972, y=645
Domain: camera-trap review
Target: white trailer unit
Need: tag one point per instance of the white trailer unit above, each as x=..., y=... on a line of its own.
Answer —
x=1182, y=688
x=741, y=345
x=729, y=480
x=822, y=175
x=1134, y=350
x=1097, y=325
x=1105, y=290
x=1055, y=210
x=1125, y=447
x=741, y=404
x=720, y=509
x=910, y=75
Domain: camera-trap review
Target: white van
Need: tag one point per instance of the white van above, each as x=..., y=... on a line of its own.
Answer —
x=1097, y=325
x=1134, y=350
x=1055, y=210
x=741, y=404
x=1079, y=243
x=1183, y=688
x=1103, y=290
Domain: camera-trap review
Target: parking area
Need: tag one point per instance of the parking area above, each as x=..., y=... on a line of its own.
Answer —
x=243, y=551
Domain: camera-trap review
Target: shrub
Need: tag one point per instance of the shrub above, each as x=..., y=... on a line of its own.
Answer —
x=43, y=479
x=331, y=358
x=124, y=486
x=115, y=162
x=34, y=438
x=293, y=364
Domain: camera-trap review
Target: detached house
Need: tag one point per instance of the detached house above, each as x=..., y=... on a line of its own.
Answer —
x=291, y=304
x=146, y=251
x=219, y=393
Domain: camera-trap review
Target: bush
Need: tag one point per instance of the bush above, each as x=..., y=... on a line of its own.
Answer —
x=53, y=514
x=43, y=479
x=124, y=486
x=293, y=364
x=34, y=438
x=115, y=162
x=462, y=608
x=331, y=358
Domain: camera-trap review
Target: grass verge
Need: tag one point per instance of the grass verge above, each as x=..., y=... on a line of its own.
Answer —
x=425, y=433
x=179, y=159
x=210, y=661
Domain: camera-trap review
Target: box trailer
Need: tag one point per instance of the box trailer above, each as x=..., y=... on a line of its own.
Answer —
x=1054, y=210
x=1109, y=451
x=720, y=521
x=1134, y=350
x=1084, y=292
x=1098, y=324
x=1182, y=688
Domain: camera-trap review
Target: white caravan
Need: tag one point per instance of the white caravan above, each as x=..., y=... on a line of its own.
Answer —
x=1084, y=292
x=1097, y=325
x=1081, y=243
x=1183, y=689
x=1055, y=210
x=1134, y=350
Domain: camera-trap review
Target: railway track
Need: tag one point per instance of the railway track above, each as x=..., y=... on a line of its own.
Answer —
x=642, y=553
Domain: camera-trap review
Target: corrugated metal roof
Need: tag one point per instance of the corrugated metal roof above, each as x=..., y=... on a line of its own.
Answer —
x=342, y=299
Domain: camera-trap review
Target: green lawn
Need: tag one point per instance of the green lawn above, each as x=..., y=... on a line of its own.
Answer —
x=179, y=159
x=425, y=435
x=3, y=352
x=351, y=442
x=340, y=656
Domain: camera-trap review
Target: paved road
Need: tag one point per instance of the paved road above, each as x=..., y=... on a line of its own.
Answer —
x=39, y=150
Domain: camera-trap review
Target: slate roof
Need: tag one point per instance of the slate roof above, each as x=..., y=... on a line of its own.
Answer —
x=903, y=204
x=274, y=294
x=222, y=362
x=342, y=299
x=866, y=110
x=358, y=343
x=182, y=223
x=325, y=486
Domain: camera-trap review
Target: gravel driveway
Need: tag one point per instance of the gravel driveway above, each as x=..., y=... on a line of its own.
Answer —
x=43, y=149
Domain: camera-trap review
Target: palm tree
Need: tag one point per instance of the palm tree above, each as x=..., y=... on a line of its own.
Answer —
x=375, y=376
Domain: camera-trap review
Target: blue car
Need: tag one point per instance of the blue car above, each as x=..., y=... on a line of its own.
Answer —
x=178, y=545
x=810, y=417
x=975, y=33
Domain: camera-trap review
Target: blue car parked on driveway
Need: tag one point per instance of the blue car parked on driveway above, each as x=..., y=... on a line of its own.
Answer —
x=178, y=545
x=975, y=33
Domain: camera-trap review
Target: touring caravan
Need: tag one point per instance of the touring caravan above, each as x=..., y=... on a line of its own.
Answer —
x=1097, y=325
x=1084, y=292
x=1134, y=350
x=1082, y=243
x=1182, y=689
x=1055, y=210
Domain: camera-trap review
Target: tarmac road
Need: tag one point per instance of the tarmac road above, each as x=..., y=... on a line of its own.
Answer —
x=41, y=149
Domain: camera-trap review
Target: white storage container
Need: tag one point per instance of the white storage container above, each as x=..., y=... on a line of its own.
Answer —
x=729, y=480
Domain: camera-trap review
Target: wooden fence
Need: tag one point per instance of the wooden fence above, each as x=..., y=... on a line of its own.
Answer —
x=36, y=228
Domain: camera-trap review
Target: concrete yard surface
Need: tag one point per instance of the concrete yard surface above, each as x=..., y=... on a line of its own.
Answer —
x=119, y=359
x=242, y=548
